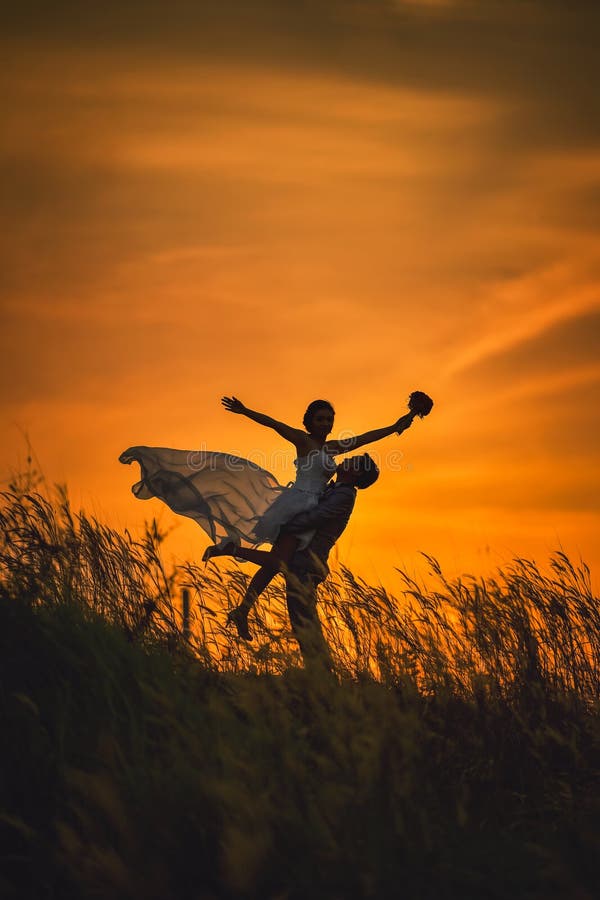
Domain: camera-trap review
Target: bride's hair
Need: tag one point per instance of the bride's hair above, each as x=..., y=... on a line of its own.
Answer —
x=313, y=408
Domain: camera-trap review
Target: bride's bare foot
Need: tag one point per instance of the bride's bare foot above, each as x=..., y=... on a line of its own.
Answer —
x=224, y=548
x=238, y=616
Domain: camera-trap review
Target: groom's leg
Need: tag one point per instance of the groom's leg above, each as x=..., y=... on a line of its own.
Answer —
x=301, y=596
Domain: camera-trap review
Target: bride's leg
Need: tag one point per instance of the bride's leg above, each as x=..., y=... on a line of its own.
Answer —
x=281, y=552
x=280, y=555
x=260, y=557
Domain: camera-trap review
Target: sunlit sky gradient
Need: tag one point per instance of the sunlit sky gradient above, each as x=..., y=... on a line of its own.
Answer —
x=348, y=200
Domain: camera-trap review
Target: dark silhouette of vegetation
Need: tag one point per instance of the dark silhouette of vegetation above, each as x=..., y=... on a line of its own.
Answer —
x=454, y=755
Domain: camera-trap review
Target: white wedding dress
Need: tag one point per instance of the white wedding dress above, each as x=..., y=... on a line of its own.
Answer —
x=228, y=496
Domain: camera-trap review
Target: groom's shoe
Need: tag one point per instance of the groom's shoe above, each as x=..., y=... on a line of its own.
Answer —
x=238, y=616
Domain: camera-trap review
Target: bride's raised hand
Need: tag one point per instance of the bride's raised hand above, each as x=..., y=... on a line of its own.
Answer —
x=419, y=404
x=404, y=422
x=232, y=404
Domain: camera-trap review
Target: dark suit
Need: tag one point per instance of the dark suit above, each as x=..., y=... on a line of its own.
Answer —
x=308, y=568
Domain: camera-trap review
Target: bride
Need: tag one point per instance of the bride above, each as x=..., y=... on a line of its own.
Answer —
x=236, y=500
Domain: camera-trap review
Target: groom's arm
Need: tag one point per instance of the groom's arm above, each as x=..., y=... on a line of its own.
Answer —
x=337, y=504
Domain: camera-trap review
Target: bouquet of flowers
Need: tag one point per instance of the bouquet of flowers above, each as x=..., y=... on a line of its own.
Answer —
x=420, y=404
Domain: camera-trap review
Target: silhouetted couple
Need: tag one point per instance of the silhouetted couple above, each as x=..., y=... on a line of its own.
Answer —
x=241, y=505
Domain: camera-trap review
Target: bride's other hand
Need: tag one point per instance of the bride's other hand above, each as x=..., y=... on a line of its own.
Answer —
x=295, y=436
x=232, y=404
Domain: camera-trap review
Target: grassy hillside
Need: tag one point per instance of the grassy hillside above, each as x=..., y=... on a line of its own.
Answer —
x=455, y=754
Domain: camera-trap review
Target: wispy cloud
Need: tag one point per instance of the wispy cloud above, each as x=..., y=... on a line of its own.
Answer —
x=518, y=311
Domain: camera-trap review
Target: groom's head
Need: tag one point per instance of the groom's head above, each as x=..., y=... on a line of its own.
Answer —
x=359, y=471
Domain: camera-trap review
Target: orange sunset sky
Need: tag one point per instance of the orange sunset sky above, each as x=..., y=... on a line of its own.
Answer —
x=347, y=199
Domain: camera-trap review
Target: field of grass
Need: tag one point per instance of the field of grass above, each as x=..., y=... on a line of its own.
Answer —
x=455, y=754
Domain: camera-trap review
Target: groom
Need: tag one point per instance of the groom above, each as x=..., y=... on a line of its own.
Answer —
x=308, y=567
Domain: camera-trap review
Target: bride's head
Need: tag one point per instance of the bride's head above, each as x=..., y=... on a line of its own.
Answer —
x=318, y=418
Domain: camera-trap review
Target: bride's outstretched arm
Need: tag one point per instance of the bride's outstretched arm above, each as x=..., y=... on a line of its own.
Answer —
x=295, y=435
x=369, y=437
